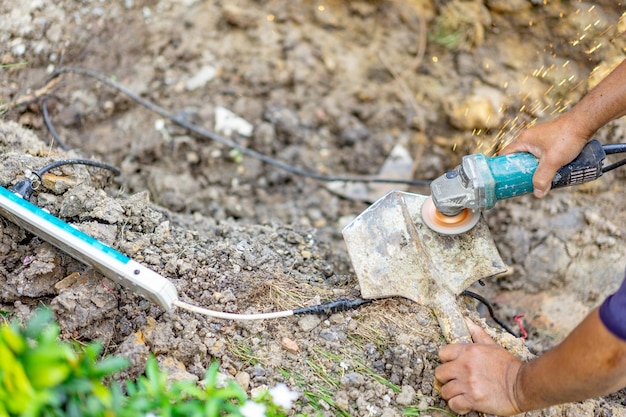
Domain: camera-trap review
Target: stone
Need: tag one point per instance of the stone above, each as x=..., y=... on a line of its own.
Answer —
x=227, y=123
x=406, y=396
x=289, y=345
x=201, y=78
x=243, y=379
x=309, y=322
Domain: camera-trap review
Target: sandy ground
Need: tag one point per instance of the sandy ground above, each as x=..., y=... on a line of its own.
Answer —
x=327, y=87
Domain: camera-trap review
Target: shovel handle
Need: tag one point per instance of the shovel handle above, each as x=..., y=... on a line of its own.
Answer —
x=451, y=320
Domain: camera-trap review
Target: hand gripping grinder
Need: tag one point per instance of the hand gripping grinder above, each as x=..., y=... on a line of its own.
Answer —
x=458, y=196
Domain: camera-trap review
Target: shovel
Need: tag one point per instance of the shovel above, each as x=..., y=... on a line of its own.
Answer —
x=395, y=254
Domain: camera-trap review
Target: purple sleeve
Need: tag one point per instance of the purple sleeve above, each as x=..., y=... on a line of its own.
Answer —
x=613, y=312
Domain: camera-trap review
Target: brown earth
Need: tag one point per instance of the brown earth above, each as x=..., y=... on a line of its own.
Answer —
x=328, y=87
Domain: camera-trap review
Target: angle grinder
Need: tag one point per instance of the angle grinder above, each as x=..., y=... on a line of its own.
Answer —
x=458, y=196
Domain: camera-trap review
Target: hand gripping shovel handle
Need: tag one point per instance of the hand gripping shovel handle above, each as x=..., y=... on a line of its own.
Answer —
x=451, y=322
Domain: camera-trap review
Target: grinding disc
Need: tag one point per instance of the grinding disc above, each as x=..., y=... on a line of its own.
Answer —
x=448, y=225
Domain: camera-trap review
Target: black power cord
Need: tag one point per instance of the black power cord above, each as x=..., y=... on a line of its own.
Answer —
x=487, y=304
x=614, y=149
x=25, y=187
x=50, y=126
x=344, y=305
x=332, y=307
x=181, y=121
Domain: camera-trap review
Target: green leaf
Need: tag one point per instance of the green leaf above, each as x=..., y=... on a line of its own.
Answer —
x=110, y=365
x=38, y=322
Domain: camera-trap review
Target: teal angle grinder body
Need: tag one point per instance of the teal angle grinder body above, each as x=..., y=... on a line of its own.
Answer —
x=480, y=181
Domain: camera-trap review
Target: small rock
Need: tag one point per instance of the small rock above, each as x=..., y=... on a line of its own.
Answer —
x=176, y=370
x=201, y=78
x=243, y=379
x=309, y=322
x=391, y=412
x=351, y=130
x=255, y=392
x=227, y=123
x=57, y=183
x=158, y=335
x=67, y=282
x=286, y=122
x=479, y=110
x=328, y=334
x=239, y=17
x=417, y=365
x=508, y=6
x=38, y=274
x=18, y=50
x=134, y=348
x=333, y=335
x=342, y=400
x=406, y=396
x=352, y=379
x=289, y=345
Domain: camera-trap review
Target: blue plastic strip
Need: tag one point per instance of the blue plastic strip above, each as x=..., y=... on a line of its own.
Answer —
x=45, y=216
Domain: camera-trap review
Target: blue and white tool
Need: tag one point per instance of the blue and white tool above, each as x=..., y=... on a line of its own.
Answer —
x=111, y=263
x=479, y=182
x=88, y=250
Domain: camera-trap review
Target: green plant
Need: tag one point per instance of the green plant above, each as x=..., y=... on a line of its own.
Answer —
x=416, y=412
x=42, y=376
x=17, y=64
x=151, y=394
x=243, y=352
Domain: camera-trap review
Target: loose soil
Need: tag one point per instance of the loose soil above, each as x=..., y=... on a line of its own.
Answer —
x=327, y=87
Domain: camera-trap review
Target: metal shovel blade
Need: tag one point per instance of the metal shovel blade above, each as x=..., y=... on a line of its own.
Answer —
x=395, y=254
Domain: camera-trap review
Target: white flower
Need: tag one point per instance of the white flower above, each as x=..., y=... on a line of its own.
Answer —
x=252, y=409
x=282, y=396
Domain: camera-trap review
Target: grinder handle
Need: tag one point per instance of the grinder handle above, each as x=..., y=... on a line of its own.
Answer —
x=513, y=173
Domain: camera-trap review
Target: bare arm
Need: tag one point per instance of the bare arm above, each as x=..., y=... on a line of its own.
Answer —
x=589, y=363
x=560, y=140
x=486, y=378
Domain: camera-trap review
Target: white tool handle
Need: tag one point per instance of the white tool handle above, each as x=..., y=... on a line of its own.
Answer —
x=88, y=250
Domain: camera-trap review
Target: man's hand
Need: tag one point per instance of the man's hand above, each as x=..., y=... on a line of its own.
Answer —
x=554, y=143
x=559, y=141
x=480, y=376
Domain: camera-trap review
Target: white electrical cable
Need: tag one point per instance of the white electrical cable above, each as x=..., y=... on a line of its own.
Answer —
x=232, y=316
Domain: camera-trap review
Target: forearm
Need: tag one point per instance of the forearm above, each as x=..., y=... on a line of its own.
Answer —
x=605, y=102
x=589, y=363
